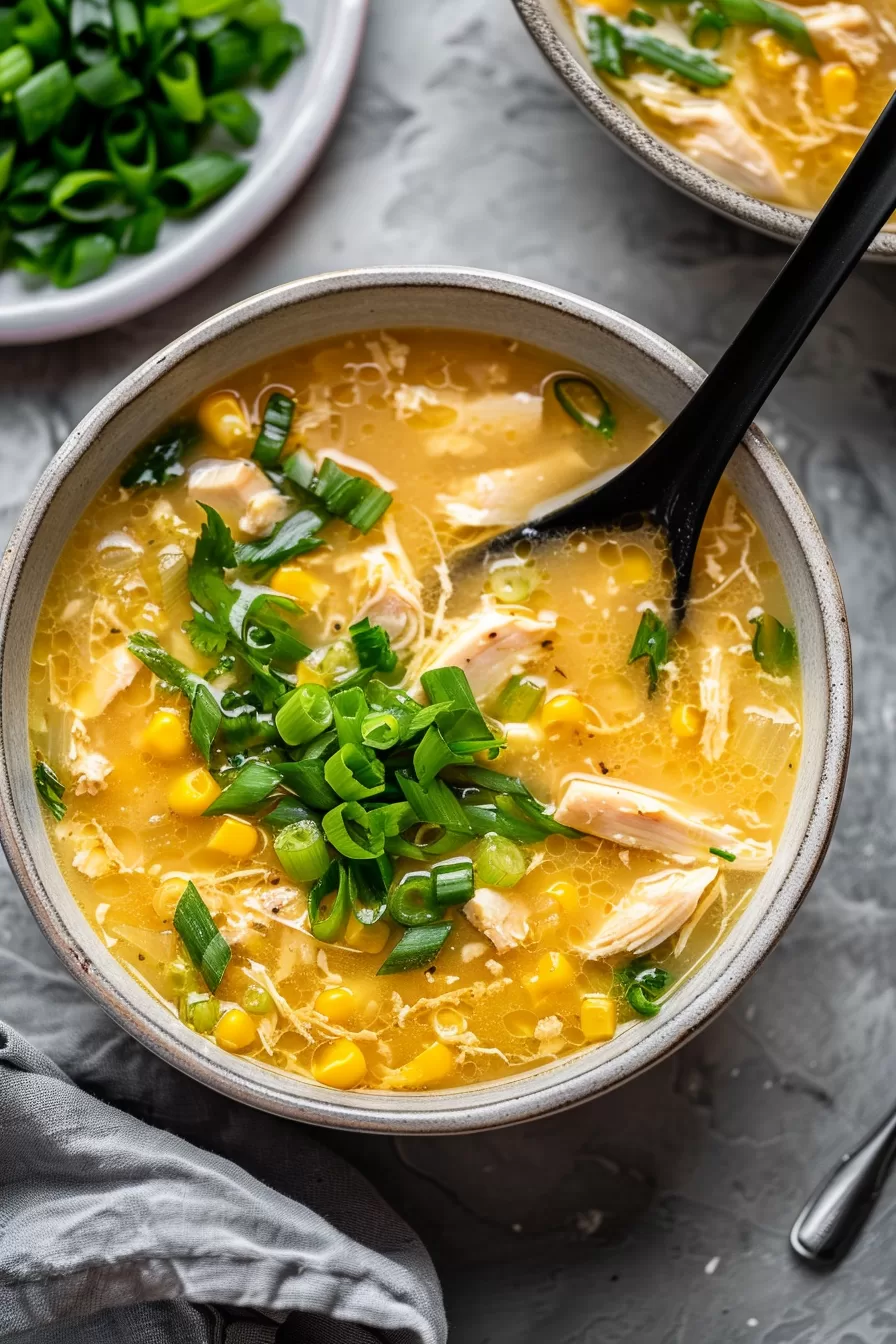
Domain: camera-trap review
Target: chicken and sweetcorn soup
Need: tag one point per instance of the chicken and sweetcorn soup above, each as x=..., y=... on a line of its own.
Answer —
x=369, y=815
x=774, y=98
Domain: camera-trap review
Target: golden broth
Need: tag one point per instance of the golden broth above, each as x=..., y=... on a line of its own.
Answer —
x=787, y=125
x=463, y=427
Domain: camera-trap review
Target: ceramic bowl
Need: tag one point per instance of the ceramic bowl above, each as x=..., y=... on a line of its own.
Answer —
x=298, y=118
x=645, y=366
x=553, y=32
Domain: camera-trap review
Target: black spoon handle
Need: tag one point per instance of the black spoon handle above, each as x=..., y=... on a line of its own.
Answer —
x=837, y=1209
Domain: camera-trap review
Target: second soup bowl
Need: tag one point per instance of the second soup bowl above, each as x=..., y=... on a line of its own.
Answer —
x=575, y=330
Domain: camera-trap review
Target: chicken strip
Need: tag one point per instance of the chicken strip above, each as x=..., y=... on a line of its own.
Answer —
x=844, y=31
x=505, y=922
x=112, y=674
x=238, y=489
x=639, y=818
x=719, y=141
x=509, y=495
x=655, y=908
x=490, y=647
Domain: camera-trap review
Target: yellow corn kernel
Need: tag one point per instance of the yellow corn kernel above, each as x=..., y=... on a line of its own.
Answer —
x=430, y=1066
x=554, y=973
x=309, y=676
x=365, y=937
x=167, y=895
x=562, y=710
x=223, y=419
x=772, y=52
x=307, y=589
x=165, y=735
x=839, y=85
x=686, y=720
x=234, y=837
x=335, y=1004
x=636, y=566
x=339, y=1064
x=235, y=1030
x=598, y=1017
x=192, y=793
x=566, y=894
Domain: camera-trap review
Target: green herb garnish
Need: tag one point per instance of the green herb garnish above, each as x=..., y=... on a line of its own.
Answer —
x=50, y=789
x=774, y=645
x=723, y=854
x=643, y=983
x=651, y=642
x=207, y=949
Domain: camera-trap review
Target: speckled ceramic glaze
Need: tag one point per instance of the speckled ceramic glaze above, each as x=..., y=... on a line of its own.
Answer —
x=553, y=32
x=648, y=368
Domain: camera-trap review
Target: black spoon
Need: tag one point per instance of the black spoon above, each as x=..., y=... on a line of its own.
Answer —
x=672, y=482
x=838, y=1208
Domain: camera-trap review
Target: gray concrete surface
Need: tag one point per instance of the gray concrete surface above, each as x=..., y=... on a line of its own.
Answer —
x=660, y=1213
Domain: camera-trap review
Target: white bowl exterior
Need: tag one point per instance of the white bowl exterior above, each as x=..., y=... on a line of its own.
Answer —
x=549, y=25
x=575, y=329
x=298, y=117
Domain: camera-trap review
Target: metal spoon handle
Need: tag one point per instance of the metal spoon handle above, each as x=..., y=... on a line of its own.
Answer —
x=837, y=1209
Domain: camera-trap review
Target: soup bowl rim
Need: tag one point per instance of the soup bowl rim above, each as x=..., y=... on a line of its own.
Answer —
x=537, y=1092
x=775, y=221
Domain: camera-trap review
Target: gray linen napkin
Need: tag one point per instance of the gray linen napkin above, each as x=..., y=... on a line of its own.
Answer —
x=211, y=1224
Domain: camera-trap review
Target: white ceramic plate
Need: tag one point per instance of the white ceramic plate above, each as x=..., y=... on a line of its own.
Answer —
x=298, y=117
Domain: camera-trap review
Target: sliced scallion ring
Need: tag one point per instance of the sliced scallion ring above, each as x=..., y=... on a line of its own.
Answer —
x=417, y=949
x=583, y=401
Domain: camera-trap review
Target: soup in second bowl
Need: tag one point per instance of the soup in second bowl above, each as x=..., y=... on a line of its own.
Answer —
x=774, y=98
x=369, y=815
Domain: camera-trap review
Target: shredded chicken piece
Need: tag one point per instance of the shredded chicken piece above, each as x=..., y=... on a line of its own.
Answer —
x=263, y=512
x=715, y=701
x=548, y=1029
x=386, y=590
x=94, y=852
x=630, y=815
x=655, y=908
x=504, y=922
x=228, y=485
x=112, y=674
x=489, y=647
x=843, y=30
x=509, y=495
x=454, y=443
x=719, y=141
x=89, y=768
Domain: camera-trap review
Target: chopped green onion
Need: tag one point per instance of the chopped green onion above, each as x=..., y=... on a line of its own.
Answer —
x=294, y=536
x=651, y=642
x=498, y=862
x=302, y=851
x=306, y=779
x=286, y=812
x=511, y=580
x=84, y=258
x=335, y=881
x=520, y=699
x=190, y=186
x=226, y=58
x=372, y=646
x=605, y=49
x=467, y=732
x=128, y=28
x=203, y=1014
x=278, y=44
x=43, y=100
x=276, y=422
x=206, y=947
x=205, y=719
x=305, y=715
x=765, y=14
x=353, y=773
x=433, y=754
x=258, y=14
x=434, y=803
x=453, y=881
x=723, y=854
x=7, y=158
x=107, y=85
x=411, y=902
x=37, y=28
x=131, y=150
x=16, y=65
x=349, y=712
x=642, y=984
x=353, y=831
x=774, y=645
x=28, y=199
x=711, y=24
x=417, y=948
x=380, y=731
x=583, y=402
x=353, y=498
x=180, y=83
x=235, y=113
x=640, y=17
x=692, y=66
x=142, y=229
x=50, y=789
x=88, y=196
x=257, y=1000
x=486, y=819
x=159, y=461
x=253, y=783
x=367, y=887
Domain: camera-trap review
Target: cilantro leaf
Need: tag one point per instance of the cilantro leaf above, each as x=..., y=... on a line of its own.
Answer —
x=159, y=461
